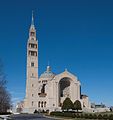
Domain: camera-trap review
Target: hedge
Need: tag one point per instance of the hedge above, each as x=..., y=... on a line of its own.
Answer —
x=82, y=115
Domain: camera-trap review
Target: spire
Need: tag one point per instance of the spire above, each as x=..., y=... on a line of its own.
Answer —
x=32, y=22
x=32, y=30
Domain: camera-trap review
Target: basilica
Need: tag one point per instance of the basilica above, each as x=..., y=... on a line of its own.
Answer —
x=49, y=90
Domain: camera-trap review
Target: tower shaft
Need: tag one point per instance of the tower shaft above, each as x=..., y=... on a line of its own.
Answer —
x=31, y=70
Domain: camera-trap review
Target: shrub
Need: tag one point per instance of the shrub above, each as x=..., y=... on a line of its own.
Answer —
x=110, y=117
x=105, y=116
x=69, y=114
x=64, y=114
x=5, y=113
x=81, y=116
x=47, y=111
x=78, y=115
x=95, y=116
x=100, y=116
x=57, y=113
x=90, y=116
x=36, y=111
x=86, y=116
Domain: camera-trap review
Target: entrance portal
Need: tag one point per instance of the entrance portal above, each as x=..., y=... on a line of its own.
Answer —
x=64, y=89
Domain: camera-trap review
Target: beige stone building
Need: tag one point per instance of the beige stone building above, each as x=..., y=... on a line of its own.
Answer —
x=49, y=90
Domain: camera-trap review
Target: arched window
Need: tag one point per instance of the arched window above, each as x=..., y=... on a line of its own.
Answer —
x=32, y=103
x=32, y=38
x=32, y=33
x=39, y=104
x=43, y=88
x=32, y=75
x=32, y=64
x=42, y=104
x=45, y=104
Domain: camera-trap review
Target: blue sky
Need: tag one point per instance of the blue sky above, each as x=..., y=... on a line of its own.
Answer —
x=72, y=34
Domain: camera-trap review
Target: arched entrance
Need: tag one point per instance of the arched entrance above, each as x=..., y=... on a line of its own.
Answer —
x=64, y=89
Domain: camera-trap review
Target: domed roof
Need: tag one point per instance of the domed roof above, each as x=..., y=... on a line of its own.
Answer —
x=48, y=73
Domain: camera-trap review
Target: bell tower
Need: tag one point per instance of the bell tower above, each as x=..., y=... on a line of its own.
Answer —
x=31, y=70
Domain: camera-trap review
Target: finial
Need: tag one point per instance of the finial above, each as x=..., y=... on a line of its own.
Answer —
x=48, y=68
x=65, y=69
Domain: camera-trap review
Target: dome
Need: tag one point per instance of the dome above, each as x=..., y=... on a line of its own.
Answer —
x=48, y=73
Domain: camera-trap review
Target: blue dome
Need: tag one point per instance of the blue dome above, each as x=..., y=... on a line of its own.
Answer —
x=48, y=73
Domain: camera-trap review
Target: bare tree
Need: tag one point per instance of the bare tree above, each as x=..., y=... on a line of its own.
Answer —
x=2, y=76
x=5, y=98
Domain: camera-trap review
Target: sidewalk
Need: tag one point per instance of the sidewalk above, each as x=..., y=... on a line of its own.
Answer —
x=4, y=117
x=59, y=118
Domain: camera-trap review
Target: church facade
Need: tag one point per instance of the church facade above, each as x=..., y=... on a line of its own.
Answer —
x=48, y=91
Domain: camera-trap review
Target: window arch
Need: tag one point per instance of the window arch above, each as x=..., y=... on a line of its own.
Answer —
x=39, y=104
x=32, y=64
x=45, y=104
x=32, y=103
x=42, y=104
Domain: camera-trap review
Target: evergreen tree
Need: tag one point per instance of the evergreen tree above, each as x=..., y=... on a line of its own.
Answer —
x=67, y=104
x=77, y=105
